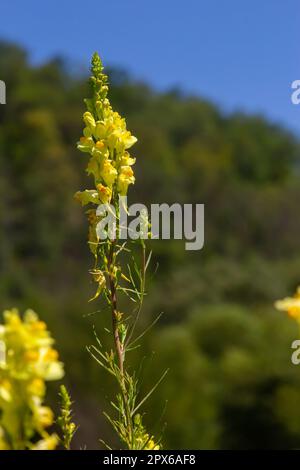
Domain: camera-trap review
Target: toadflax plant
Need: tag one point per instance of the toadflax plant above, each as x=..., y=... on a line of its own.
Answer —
x=116, y=271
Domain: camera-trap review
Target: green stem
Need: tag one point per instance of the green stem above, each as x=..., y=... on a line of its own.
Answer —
x=120, y=350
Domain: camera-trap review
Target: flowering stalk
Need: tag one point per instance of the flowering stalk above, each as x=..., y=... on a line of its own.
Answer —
x=106, y=140
x=65, y=420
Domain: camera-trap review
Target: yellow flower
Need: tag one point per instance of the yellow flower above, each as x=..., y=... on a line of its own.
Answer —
x=102, y=130
x=87, y=196
x=127, y=160
x=291, y=305
x=85, y=144
x=121, y=139
x=127, y=139
x=94, y=167
x=104, y=193
x=126, y=178
x=108, y=173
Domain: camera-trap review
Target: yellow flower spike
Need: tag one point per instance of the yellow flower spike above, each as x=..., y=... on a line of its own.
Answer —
x=110, y=161
x=30, y=362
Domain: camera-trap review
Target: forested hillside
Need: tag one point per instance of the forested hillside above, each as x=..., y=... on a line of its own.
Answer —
x=219, y=333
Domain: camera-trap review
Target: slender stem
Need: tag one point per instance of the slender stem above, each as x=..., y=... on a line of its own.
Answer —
x=120, y=349
x=114, y=310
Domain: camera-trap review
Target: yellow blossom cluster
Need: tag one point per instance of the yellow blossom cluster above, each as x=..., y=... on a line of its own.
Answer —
x=291, y=305
x=28, y=361
x=106, y=140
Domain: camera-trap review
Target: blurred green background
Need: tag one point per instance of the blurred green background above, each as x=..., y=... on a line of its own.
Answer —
x=231, y=383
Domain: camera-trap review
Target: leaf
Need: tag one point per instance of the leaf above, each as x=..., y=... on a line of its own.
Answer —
x=150, y=393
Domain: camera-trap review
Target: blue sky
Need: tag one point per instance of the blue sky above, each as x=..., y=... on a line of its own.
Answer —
x=242, y=54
